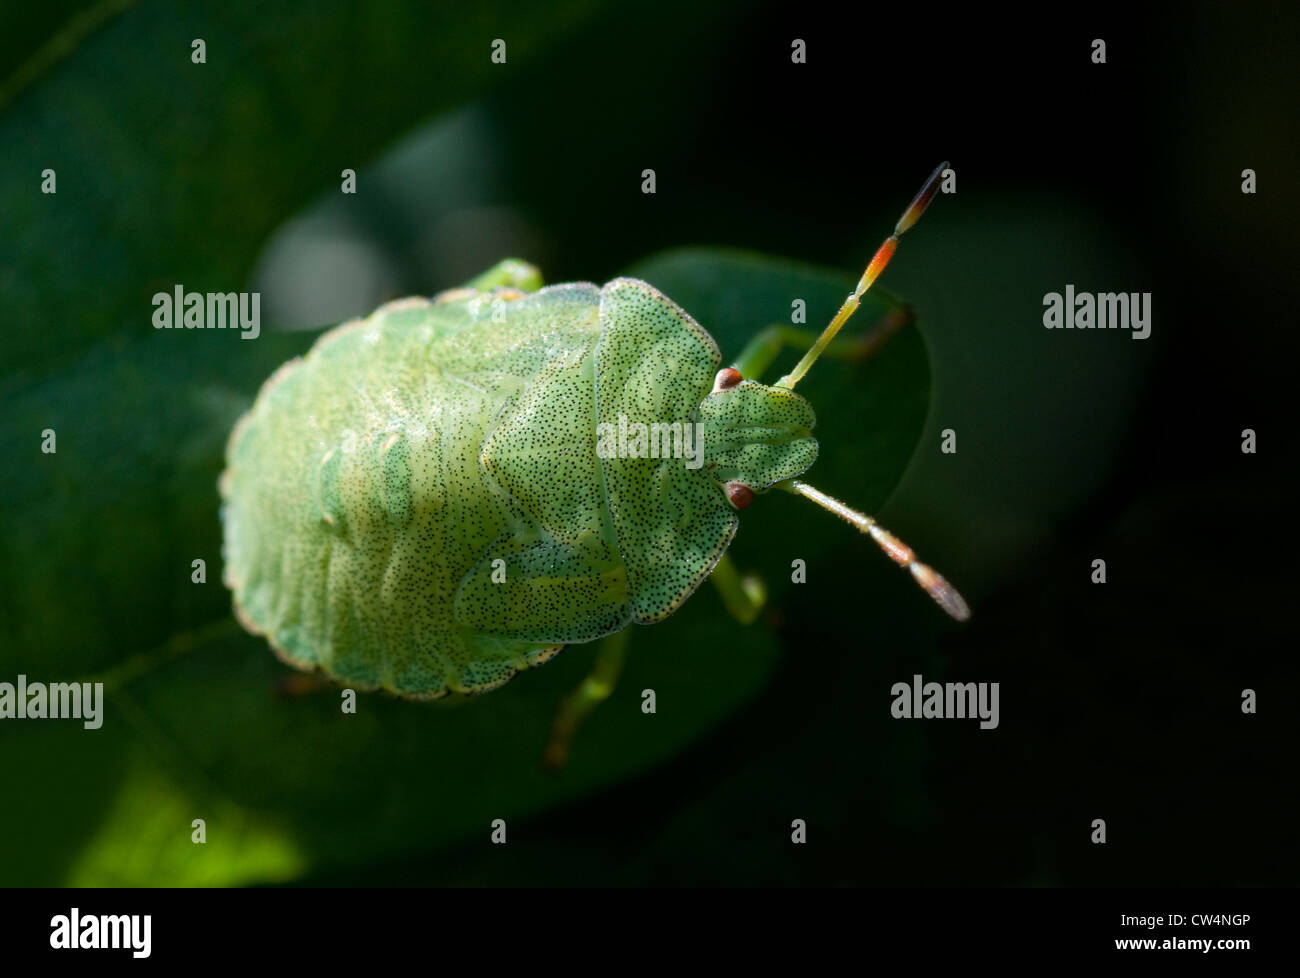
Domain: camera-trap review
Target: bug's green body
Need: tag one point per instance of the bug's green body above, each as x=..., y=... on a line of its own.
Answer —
x=419, y=503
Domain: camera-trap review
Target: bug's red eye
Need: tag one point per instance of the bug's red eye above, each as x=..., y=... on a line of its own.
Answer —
x=739, y=494
x=727, y=378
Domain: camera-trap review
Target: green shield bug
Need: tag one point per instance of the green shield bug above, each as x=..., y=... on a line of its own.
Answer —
x=450, y=490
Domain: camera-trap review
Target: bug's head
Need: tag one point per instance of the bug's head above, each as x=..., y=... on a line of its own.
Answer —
x=757, y=437
x=754, y=436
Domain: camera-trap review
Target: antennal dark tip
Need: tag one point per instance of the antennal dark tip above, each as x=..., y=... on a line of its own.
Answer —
x=921, y=201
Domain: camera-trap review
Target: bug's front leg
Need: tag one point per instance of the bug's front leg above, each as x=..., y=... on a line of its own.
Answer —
x=512, y=276
x=767, y=344
x=593, y=691
x=511, y=273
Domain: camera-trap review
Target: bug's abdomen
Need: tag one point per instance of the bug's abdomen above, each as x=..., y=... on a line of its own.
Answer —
x=385, y=480
x=356, y=502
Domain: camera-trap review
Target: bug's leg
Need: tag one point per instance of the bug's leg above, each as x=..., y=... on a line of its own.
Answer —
x=766, y=345
x=511, y=273
x=512, y=277
x=594, y=690
x=303, y=684
x=742, y=595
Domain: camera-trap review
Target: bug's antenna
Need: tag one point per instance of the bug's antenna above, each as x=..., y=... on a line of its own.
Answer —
x=944, y=594
x=877, y=264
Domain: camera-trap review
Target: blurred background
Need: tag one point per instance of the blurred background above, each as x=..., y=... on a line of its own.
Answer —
x=773, y=179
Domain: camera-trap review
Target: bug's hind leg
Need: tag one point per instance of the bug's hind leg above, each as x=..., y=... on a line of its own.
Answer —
x=767, y=344
x=743, y=595
x=303, y=684
x=593, y=691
